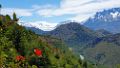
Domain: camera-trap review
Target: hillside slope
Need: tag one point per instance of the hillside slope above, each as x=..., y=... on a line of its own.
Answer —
x=18, y=49
x=106, y=51
x=73, y=33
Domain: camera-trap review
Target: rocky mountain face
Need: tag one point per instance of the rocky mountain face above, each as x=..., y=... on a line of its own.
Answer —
x=107, y=19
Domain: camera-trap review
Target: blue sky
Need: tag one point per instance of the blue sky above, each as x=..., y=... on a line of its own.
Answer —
x=27, y=3
x=51, y=12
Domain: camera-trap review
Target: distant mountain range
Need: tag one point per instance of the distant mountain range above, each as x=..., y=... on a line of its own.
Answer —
x=44, y=26
x=108, y=20
x=36, y=30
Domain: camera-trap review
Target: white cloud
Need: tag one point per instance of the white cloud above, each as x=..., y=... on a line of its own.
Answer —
x=45, y=12
x=18, y=11
x=43, y=6
x=80, y=18
x=43, y=25
x=80, y=8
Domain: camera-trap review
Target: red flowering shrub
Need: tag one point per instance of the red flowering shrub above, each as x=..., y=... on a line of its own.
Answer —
x=38, y=52
x=19, y=58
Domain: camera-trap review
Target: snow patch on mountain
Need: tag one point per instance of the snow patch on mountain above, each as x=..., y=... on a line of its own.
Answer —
x=45, y=26
x=114, y=15
x=107, y=19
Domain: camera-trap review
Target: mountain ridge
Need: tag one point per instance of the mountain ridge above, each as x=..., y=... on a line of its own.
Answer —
x=73, y=30
x=107, y=19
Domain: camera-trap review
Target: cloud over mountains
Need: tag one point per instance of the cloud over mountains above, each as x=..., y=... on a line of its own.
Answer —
x=78, y=10
x=81, y=9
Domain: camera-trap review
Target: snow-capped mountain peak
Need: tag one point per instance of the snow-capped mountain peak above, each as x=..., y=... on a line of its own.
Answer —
x=107, y=19
x=40, y=25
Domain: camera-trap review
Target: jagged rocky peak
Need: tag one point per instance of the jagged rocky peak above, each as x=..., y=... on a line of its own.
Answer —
x=107, y=15
x=108, y=20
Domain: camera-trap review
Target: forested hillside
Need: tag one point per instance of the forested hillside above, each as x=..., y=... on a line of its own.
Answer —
x=105, y=51
x=20, y=48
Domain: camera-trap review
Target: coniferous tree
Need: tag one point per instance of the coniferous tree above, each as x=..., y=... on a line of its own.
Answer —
x=85, y=65
x=8, y=19
x=15, y=17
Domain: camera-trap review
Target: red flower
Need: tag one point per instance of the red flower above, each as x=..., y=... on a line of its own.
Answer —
x=19, y=58
x=38, y=52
